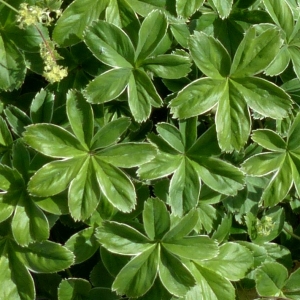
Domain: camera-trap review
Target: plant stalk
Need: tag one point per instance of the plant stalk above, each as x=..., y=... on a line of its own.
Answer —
x=8, y=5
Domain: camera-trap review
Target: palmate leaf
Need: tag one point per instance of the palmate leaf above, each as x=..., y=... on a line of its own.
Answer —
x=283, y=161
x=159, y=254
x=233, y=95
x=188, y=169
x=104, y=41
x=91, y=162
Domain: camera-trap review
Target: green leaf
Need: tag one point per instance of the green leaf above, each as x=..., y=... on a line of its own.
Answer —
x=162, y=165
x=269, y=140
x=141, y=95
x=223, y=7
x=171, y=135
x=46, y=257
x=81, y=118
x=184, y=188
x=281, y=14
x=102, y=90
x=12, y=65
x=122, y=239
x=280, y=62
x=256, y=51
x=188, y=130
x=156, y=218
x=152, y=31
x=192, y=247
x=110, y=133
x=14, y=275
x=270, y=279
x=232, y=119
x=181, y=33
x=279, y=185
x=197, y=98
x=110, y=44
x=41, y=108
x=127, y=155
x=115, y=185
x=5, y=135
x=294, y=53
x=208, y=216
x=54, y=177
x=209, y=55
x=71, y=25
x=291, y=288
x=21, y=159
x=185, y=9
x=6, y=207
x=137, y=277
x=27, y=39
x=169, y=66
x=84, y=192
x=182, y=228
x=263, y=96
x=52, y=140
x=120, y=13
x=74, y=288
x=10, y=179
x=56, y=205
x=233, y=262
x=219, y=175
x=17, y=119
x=210, y=284
x=293, y=134
x=206, y=144
x=29, y=223
x=175, y=277
x=83, y=244
x=263, y=163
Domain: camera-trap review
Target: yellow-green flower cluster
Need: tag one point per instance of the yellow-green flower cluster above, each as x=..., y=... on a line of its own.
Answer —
x=32, y=14
x=52, y=71
x=265, y=226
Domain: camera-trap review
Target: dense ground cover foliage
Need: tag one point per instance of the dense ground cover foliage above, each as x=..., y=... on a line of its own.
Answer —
x=149, y=149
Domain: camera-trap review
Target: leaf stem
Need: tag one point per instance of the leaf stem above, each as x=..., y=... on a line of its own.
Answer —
x=8, y=5
x=291, y=233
